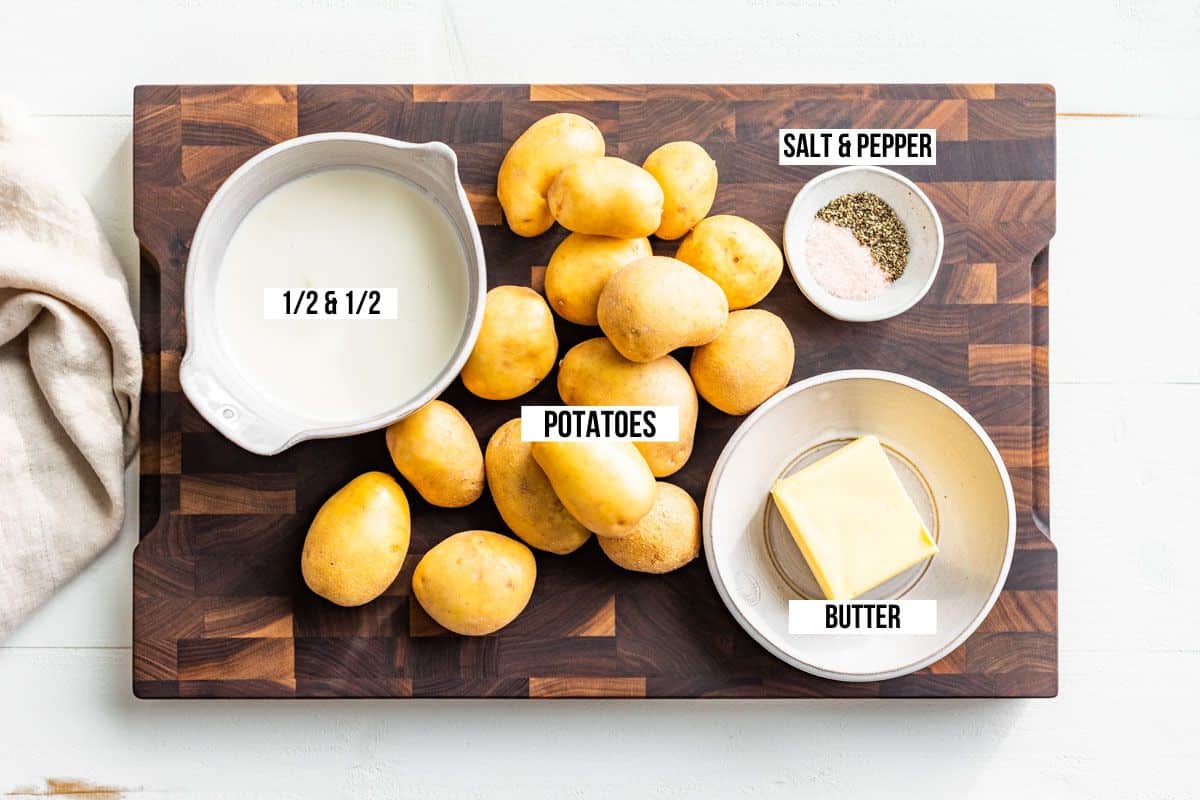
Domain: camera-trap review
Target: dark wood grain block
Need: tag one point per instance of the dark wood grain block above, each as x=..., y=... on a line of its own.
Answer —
x=220, y=609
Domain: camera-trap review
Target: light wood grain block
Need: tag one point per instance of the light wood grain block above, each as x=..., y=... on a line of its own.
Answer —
x=1023, y=611
x=242, y=494
x=589, y=92
x=1011, y=201
x=587, y=687
x=237, y=659
x=970, y=283
x=1000, y=364
x=602, y=623
x=485, y=204
x=254, y=617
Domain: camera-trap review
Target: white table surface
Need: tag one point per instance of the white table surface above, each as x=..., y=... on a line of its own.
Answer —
x=1125, y=372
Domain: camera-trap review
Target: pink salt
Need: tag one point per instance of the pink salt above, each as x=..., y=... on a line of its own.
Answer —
x=841, y=265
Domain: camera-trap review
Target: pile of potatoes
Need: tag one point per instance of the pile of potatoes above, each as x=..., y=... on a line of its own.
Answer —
x=555, y=495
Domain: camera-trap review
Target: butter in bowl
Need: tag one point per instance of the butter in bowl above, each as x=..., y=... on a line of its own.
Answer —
x=859, y=485
x=853, y=519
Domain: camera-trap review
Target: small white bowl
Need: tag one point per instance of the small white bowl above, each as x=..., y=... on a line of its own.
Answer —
x=921, y=221
x=230, y=401
x=951, y=470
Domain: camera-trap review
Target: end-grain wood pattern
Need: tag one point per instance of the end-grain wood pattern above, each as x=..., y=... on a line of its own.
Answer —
x=220, y=609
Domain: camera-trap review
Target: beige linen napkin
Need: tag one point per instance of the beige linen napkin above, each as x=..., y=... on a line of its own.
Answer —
x=70, y=372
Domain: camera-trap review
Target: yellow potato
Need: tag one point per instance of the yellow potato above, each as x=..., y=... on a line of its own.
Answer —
x=606, y=485
x=606, y=197
x=475, y=582
x=532, y=163
x=593, y=373
x=658, y=304
x=751, y=360
x=524, y=496
x=357, y=541
x=516, y=347
x=435, y=449
x=735, y=253
x=665, y=539
x=688, y=177
x=579, y=268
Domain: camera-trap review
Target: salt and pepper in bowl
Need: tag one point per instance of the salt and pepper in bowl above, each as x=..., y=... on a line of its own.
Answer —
x=863, y=243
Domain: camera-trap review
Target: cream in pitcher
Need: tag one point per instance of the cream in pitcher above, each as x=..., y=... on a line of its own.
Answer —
x=340, y=294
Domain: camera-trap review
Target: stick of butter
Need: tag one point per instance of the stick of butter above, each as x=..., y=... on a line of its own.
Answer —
x=853, y=520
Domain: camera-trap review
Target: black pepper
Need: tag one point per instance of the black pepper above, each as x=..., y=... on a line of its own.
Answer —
x=876, y=227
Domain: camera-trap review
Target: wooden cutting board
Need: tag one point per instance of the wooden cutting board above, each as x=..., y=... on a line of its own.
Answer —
x=220, y=609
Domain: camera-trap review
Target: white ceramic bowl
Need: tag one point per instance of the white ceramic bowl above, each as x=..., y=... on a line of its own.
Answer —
x=229, y=400
x=950, y=468
x=921, y=221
